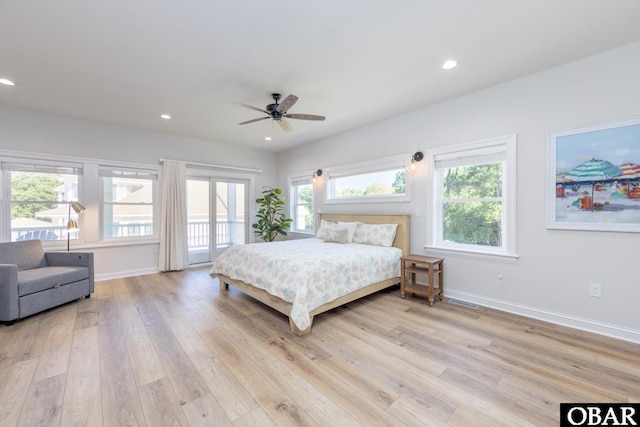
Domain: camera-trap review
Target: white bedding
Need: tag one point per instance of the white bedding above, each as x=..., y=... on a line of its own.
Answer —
x=308, y=272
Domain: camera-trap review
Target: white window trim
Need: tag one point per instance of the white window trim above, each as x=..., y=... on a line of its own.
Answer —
x=508, y=251
x=397, y=161
x=290, y=180
x=88, y=193
x=145, y=173
x=5, y=200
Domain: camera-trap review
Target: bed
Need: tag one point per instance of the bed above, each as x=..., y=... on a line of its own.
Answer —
x=325, y=275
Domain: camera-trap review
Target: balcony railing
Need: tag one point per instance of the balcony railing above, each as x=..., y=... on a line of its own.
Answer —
x=39, y=233
x=227, y=233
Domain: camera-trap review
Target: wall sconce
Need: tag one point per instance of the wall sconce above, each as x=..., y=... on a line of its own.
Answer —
x=72, y=225
x=317, y=174
x=416, y=158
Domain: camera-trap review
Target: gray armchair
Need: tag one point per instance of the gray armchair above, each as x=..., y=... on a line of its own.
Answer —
x=32, y=280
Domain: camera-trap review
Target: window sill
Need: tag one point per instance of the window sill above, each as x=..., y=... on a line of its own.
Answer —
x=370, y=199
x=478, y=255
x=79, y=246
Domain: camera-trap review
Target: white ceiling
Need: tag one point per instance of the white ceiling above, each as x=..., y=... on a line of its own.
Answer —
x=355, y=61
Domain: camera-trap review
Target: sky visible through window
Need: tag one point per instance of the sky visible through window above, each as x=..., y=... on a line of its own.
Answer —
x=361, y=182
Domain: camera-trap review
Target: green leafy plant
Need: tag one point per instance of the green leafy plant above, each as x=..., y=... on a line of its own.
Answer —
x=271, y=219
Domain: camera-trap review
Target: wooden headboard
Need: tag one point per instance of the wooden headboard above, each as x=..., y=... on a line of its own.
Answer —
x=403, y=220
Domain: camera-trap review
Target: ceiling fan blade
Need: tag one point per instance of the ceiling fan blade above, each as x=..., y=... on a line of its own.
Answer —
x=287, y=103
x=254, y=120
x=284, y=124
x=304, y=117
x=253, y=108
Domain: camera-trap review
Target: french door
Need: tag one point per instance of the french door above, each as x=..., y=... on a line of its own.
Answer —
x=217, y=216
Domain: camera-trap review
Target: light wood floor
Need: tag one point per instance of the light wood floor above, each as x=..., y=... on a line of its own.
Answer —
x=170, y=349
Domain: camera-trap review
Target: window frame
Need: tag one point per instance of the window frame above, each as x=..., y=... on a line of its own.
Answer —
x=401, y=161
x=306, y=179
x=111, y=171
x=36, y=165
x=504, y=145
x=88, y=194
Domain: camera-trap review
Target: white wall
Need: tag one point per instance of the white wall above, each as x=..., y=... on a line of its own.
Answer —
x=550, y=279
x=44, y=133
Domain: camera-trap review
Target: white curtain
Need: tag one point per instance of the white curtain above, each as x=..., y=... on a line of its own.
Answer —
x=173, y=228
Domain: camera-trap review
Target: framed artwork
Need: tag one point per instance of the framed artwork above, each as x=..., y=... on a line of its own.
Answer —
x=593, y=177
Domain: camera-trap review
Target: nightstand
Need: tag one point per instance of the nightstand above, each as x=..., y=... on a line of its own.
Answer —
x=432, y=267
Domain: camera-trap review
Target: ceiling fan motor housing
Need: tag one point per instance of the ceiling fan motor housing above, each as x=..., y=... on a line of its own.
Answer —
x=272, y=109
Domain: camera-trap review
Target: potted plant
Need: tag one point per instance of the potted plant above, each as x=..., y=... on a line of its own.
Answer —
x=271, y=219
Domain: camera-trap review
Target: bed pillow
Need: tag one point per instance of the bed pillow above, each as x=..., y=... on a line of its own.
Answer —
x=375, y=234
x=337, y=235
x=325, y=226
x=351, y=227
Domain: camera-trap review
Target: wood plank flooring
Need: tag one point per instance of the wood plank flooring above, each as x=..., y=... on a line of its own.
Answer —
x=171, y=349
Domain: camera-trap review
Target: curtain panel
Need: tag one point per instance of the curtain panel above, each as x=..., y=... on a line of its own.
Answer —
x=173, y=251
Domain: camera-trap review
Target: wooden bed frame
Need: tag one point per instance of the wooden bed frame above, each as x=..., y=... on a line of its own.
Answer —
x=401, y=241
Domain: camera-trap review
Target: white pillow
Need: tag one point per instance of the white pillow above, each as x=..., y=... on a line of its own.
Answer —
x=337, y=235
x=351, y=226
x=375, y=234
x=325, y=226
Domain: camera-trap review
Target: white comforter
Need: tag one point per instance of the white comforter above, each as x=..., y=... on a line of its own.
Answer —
x=308, y=272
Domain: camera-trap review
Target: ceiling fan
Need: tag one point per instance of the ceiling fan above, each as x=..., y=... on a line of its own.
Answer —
x=279, y=112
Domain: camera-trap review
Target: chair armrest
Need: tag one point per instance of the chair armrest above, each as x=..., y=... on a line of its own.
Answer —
x=9, y=309
x=73, y=259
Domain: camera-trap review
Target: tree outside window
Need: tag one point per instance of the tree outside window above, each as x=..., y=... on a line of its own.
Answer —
x=37, y=190
x=380, y=183
x=305, y=206
x=380, y=180
x=472, y=197
x=302, y=206
x=472, y=205
x=39, y=202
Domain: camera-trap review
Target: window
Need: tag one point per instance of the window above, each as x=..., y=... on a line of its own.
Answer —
x=473, y=197
x=38, y=196
x=302, y=204
x=127, y=199
x=382, y=180
x=120, y=199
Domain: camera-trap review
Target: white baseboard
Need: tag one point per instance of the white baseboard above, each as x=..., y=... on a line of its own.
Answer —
x=140, y=272
x=121, y=274
x=588, y=325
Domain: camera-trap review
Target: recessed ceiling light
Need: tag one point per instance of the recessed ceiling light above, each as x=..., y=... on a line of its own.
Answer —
x=165, y=116
x=449, y=64
x=6, y=82
x=267, y=138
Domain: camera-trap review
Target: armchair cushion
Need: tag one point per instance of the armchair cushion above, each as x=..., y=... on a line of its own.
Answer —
x=26, y=255
x=40, y=279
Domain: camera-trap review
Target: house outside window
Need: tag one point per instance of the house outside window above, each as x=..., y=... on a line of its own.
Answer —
x=38, y=196
x=127, y=203
x=301, y=202
x=381, y=180
x=472, y=197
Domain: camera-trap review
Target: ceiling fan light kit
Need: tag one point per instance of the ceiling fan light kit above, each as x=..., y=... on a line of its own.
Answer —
x=279, y=112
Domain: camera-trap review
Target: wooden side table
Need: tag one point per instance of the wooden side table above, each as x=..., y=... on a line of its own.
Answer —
x=432, y=267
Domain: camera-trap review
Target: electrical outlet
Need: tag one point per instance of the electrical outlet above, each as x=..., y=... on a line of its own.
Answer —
x=595, y=290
